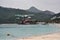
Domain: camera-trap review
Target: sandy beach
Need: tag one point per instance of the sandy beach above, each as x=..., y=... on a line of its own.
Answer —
x=54, y=36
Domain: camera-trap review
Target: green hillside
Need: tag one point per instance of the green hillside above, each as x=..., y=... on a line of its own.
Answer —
x=8, y=14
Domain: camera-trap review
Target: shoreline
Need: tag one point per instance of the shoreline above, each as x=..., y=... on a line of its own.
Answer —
x=49, y=36
x=53, y=36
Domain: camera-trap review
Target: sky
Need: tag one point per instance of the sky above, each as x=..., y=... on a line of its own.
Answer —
x=52, y=5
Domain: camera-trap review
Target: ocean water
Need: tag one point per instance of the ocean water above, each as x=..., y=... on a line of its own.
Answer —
x=21, y=31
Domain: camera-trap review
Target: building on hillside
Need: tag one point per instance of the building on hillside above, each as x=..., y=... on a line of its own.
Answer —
x=55, y=19
x=25, y=19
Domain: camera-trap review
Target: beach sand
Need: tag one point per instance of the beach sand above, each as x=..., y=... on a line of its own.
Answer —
x=54, y=36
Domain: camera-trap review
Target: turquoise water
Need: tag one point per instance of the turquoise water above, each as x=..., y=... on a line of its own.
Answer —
x=20, y=31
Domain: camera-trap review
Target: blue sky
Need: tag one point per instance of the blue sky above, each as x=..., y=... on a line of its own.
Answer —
x=52, y=5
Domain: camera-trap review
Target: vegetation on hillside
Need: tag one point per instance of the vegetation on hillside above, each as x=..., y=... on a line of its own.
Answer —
x=8, y=15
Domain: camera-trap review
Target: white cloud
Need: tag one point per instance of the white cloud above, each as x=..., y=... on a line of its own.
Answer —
x=53, y=5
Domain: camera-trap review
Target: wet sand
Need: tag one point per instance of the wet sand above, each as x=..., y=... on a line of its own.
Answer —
x=54, y=36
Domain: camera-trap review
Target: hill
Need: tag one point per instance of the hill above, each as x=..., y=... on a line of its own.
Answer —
x=55, y=18
x=8, y=14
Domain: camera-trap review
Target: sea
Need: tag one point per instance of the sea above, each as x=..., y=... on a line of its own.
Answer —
x=16, y=31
